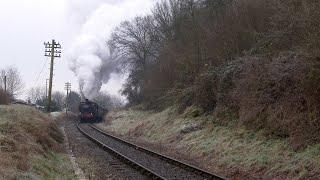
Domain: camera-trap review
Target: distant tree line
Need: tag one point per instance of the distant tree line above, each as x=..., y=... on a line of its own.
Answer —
x=37, y=96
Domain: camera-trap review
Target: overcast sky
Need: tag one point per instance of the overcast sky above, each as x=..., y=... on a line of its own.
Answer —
x=26, y=24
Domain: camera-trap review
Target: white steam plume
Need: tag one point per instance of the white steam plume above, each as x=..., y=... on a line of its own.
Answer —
x=89, y=54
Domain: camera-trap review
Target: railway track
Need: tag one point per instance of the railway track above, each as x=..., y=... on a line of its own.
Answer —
x=148, y=162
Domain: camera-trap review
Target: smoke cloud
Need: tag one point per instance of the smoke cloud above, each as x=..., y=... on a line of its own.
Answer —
x=89, y=56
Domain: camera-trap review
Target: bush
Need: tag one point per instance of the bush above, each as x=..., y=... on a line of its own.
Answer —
x=4, y=97
x=185, y=98
x=311, y=84
x=298, y=23
x=206, y=91
x=279, y=95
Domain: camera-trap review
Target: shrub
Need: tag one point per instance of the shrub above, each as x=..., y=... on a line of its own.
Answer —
x=185, y=98
x=280, y=96
x=206, y=91
x=311, y=83
x=4, y=97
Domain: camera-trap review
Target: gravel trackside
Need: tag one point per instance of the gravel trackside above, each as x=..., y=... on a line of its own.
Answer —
x=94, y=161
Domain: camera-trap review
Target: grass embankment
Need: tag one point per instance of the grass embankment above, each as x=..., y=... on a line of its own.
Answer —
x=31, y=146
x=227, y=149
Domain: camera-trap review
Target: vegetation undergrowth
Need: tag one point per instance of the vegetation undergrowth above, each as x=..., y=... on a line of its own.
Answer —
x=31, y=145
x=4, y=97
x=257, y=58
x=230, y=148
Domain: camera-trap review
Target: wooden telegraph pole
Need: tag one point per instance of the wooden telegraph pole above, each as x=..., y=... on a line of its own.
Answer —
x=53, y=51
x=67, y=87
x=47, y=88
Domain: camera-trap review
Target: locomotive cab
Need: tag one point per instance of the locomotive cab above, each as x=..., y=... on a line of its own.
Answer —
x=90, y=111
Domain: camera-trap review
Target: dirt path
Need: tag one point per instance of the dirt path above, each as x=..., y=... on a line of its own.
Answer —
x=78, y=171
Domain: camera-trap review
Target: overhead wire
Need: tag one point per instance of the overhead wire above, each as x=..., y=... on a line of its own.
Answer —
x=42, y=69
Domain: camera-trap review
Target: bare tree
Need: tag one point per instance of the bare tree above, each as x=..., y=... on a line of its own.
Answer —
x=14, y=83
x=134, y=41
x=135, y=44
x=36, y=93
x=59, y=99
x=74, y=100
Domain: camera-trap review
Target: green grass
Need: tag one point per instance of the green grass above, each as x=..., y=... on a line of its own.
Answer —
x=220, y=146
x=51, y=166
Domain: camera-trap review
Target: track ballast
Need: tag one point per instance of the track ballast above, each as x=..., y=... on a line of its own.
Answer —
x=148, y=162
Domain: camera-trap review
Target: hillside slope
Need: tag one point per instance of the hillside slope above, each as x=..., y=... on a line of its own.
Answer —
x=233, y=151
x=255, y=59
x=31, y=146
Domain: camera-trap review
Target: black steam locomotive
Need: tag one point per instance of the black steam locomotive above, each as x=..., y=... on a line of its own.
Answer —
x=91, y=111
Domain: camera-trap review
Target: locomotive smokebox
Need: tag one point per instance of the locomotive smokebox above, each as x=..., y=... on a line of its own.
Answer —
x=91, y=112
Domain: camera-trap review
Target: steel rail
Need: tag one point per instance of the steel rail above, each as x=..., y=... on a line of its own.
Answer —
x=128, y=160
x=179, y=163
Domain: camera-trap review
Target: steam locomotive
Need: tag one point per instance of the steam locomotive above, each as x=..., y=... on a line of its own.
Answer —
x=91, y=111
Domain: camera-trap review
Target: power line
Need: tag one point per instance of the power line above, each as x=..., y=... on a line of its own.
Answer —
x=42, y=69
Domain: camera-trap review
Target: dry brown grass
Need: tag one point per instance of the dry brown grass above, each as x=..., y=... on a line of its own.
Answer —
x=28, y=138
x=233, y=151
